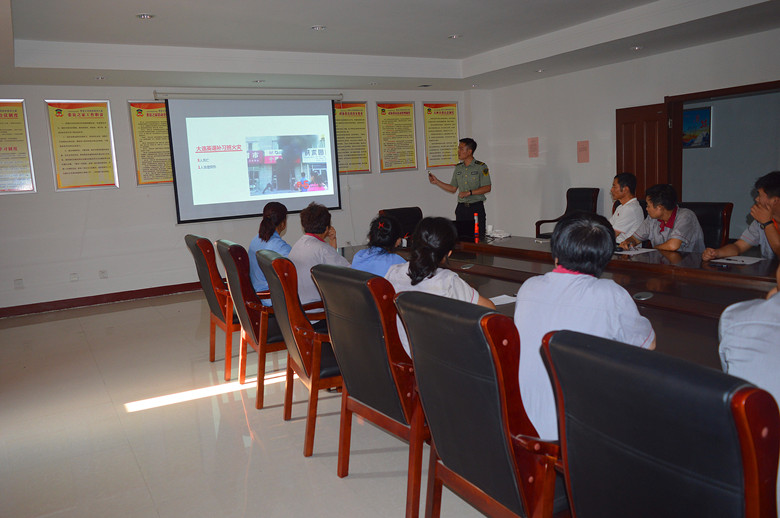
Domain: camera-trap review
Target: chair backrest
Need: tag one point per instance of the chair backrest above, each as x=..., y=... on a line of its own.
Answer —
x=206, y=264
x=236, y=262
x=581, y=198
x=296, y=329
x=408, y=217
x=714, y=218
x=645, y=434
x=466, y=361
x=364, y=335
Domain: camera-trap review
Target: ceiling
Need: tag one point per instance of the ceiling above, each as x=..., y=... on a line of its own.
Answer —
x=382, y=44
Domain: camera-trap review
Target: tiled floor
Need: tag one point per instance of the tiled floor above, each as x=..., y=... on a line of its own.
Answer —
x=70, y=448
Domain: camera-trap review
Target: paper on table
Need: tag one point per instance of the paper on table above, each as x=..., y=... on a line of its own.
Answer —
x=738, y=259
x=636, y=251
x=503, y=299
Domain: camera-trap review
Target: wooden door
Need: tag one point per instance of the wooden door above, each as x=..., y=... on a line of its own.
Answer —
x=643, y=144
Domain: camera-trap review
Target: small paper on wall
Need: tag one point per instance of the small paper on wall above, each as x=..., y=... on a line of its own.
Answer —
x=533, y=147
x=583, y=151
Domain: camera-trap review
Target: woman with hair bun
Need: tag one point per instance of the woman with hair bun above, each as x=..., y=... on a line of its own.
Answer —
x=383, y=235
x=268, y=237
x=432, y=243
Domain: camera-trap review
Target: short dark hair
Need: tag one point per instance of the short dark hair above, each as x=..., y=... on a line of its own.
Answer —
x=470, y=143
x=662, y=194
x=384, y=232
x=315, y=218
x=274, y=214
x=432, y=241
x=770, y=183
x=626, y=180
x=583, y=242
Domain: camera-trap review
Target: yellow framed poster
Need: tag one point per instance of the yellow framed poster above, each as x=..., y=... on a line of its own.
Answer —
x=352, y=137
x=16, y=168
x=441, y=134
x=82, y=144
x=151, y=144
x=397, y=142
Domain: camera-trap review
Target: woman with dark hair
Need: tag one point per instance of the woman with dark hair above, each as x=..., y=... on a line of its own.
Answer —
x=432, y=243
x=269, y=237
x=317, y=246
x=573, y=297
x=383, y=235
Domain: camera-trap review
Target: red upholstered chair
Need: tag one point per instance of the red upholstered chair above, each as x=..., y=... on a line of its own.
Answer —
x=645, y=434
x=485, y=449
x=217, y=296
x=577, y=198
x=259, y=328
x=378, y=375
x=309, y=354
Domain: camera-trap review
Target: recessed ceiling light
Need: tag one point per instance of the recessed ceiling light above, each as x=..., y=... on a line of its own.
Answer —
x=100, y=78
x=259, y=81
x=455, y=36
x=318, y=27
x=144, y=16
x=539, y=70
x=475, y=85
x=373, y=83
x=424, y=86
x=637, y=48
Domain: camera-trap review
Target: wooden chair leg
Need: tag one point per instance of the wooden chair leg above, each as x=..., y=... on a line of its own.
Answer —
x=212, y=337
x=288, y=390
x=260, y=397
x=242, y=354
x=433, y=499
x=311, y=416
x=414, y=477
x=228, y=338
x=345, y=435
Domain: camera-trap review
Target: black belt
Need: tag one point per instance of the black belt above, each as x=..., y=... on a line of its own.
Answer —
x=466, y=204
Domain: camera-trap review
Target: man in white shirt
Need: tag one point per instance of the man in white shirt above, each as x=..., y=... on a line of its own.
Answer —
x=629, y=214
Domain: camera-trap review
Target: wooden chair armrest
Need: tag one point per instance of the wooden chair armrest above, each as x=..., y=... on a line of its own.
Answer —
x=264, y=294
x=537, y=446
x=222, y=291
x=259, y=307
x=317, y=304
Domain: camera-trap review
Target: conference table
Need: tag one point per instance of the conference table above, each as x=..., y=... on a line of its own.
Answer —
x=680, y=294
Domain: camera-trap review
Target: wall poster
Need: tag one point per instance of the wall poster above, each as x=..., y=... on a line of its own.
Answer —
x=352, y=138
x=16, y=168
x=82, y=144
x=397, y=143
x=441, y=134
x=151, y=145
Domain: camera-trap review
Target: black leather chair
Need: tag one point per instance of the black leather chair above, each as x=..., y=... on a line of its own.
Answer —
x=378, y=375
x=217, y=296
x=258, y=324
x=714, y=218
x=645, y=434
x=309, y=354
x=408, y=217
x=577, y=198
x=485, y=449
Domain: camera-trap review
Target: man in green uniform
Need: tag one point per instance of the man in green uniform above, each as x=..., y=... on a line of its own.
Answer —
x=471, y=179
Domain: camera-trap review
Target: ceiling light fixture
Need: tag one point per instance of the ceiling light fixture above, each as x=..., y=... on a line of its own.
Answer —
x=637, y=48
x=455, y=36
x=424, y=86
x=259, y=81
x=318, y=27
x=144, y=16
x=539, y=70
x=373, y=83
x=99, y=78
x=475, y=85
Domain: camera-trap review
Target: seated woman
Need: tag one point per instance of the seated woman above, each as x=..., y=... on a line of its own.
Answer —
x=383, y=235
x=312, y=249
x=269, y=237
x=432, y=243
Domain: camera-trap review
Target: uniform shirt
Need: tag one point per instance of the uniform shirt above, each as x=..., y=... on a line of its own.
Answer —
x=626, y=219
x=375, y=260
x=276, y=244
x=577, y=302
x=685, y=227
x=306, y=253
x=756, y=236
x=445, y=283
x=470, y=177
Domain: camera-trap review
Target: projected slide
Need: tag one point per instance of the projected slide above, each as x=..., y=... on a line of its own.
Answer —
x=228, y=163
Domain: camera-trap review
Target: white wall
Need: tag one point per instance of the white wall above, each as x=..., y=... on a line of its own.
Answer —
x=581, y=106
x=131, y=232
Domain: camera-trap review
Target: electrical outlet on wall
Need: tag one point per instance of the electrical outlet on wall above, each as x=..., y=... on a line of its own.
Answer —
x=103, y=274
x=18, y=284
x=74, y=277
